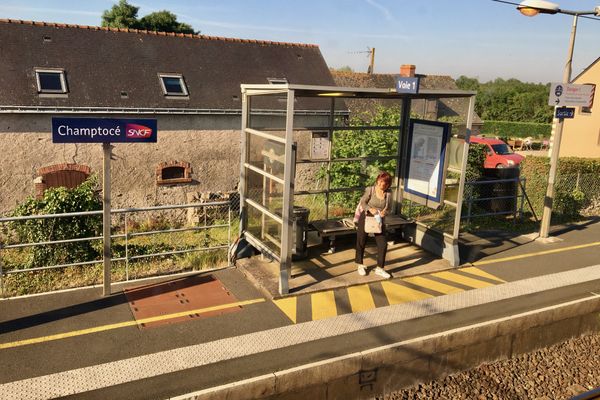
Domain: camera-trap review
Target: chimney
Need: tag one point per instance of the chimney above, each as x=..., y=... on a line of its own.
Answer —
x=407, y=70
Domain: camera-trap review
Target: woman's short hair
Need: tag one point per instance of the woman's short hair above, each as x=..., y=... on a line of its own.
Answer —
x=385, y=177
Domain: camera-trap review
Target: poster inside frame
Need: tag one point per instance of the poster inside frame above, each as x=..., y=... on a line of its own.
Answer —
x=427, y=162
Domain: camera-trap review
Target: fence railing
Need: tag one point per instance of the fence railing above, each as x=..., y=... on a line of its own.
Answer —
x=126, y=236
x=494, y=197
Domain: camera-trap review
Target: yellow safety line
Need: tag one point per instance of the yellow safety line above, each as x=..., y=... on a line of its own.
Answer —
x=401, y=294
x=483, y=274
x=452, y=277
x=323, y=305
x=124, y=324
x=539, y=253
x=433, y=285
x=360, y=298
x=289, y=307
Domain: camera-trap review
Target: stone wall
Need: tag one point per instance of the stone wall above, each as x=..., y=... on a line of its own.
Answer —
x=213, y=155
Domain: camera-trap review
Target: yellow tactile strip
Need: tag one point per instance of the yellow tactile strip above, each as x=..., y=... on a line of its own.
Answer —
x=396, y=291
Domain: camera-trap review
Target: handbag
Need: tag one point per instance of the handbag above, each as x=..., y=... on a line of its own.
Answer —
x=371, y=225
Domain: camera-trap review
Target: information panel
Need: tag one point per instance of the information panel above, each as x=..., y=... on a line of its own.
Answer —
x=103, y=130
x=425, y=172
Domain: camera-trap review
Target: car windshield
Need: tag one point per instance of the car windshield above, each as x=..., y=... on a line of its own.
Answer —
x=502, y=149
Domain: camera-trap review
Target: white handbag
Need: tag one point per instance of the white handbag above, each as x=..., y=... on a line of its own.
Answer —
x=371, y=225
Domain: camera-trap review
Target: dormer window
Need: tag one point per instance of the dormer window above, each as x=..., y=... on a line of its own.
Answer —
x=173, y=85
x=51, y=81
x=277, y=81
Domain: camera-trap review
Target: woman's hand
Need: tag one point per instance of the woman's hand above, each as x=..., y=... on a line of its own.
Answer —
x=382, y=213
x=373, y=211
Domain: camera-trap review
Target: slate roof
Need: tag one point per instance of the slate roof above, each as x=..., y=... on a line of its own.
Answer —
x=445, y=107
x=100, y=63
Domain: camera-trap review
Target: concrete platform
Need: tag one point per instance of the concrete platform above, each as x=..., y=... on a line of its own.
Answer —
x=323, y=271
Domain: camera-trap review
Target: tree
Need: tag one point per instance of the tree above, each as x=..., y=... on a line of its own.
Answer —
x=124, y=15
x=164, y=21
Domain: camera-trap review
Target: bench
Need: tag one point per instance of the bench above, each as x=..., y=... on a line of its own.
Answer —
x=332, y=228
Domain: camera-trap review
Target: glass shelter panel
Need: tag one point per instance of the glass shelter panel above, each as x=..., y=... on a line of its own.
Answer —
x=264, y=191
x=266, y=155
x=264, y=228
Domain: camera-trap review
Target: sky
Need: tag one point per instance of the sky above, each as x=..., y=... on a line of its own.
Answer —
x=480, y=39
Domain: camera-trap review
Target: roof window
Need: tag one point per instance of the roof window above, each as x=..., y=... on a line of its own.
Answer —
x=173, y=85
x=277, y=81
x=51, y=81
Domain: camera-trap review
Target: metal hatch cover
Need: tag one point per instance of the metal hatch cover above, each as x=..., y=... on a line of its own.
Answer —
x=189, y=294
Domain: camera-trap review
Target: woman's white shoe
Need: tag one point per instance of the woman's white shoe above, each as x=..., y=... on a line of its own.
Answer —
x=381, y=272
x=361, y=269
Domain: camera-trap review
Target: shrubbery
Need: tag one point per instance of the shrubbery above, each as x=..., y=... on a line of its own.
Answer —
x=57, y=201
x=507, y=129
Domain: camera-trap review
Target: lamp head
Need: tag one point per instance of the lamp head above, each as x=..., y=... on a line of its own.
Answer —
x=531, y=8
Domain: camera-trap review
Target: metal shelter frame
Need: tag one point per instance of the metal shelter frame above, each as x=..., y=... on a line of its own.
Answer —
x=440, y=243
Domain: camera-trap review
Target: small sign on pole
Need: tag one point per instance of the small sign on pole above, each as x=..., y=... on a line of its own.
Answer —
x=566, y=94
x=564, y=112
x=105, y=131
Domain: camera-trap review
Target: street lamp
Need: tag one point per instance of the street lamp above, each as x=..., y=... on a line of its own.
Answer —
x=531, y=8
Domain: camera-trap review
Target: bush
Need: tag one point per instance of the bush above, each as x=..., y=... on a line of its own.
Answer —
x=58, y=201
x=507, y=129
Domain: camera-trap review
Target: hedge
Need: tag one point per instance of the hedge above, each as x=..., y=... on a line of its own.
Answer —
x=570, y=199
x=516, y=129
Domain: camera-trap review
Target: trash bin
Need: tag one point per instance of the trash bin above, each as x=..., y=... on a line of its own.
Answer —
x=299, y=228
x=506, y=191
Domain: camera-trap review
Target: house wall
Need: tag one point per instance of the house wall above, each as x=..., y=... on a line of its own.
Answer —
x=211, y=144
x=581, y=135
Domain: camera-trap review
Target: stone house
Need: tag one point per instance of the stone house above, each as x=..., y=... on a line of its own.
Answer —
x=189, y=83
x=454, y=109
x=581, y=134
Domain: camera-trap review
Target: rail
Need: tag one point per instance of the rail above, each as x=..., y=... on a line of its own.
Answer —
x=511, y=199
x=126, y=212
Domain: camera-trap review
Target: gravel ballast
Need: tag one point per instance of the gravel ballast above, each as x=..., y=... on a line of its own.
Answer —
x=557, y=372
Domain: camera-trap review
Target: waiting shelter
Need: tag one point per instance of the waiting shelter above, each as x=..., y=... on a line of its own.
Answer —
x=291, y=172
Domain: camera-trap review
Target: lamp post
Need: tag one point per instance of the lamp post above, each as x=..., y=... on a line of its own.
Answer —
x=532, y=8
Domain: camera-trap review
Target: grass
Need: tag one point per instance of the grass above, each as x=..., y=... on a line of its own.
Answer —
x=77, y=276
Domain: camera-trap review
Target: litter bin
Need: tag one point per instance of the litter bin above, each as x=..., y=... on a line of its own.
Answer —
x=506, y=191
x=299, y=228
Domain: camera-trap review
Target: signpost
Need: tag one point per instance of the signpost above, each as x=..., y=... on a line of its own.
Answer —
x=105, y=131
x=566, y=94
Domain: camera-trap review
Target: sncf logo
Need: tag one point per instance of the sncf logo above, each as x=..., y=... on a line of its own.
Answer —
x=136, y=131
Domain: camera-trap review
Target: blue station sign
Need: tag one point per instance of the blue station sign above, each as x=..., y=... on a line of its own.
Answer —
x=103, y=130
x=565, y=112
x=407, y=85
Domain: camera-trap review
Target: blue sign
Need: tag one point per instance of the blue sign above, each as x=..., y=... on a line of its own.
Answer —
x=565, y=112
x=407, y=85
x=103, y=130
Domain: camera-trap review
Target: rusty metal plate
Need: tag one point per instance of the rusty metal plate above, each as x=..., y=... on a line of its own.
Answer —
x=193, y=295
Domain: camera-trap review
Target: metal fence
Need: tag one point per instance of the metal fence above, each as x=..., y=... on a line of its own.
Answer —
x=495, y=197
x=211, y=220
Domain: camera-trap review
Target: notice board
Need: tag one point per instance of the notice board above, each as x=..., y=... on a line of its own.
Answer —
x=427, y=162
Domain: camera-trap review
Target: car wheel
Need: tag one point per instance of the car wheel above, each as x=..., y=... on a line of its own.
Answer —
x=500, y=166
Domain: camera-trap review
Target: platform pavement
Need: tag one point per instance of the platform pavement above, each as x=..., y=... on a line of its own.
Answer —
x=42, y=338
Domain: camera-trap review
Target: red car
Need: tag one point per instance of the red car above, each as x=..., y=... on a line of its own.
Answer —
x=499, y=154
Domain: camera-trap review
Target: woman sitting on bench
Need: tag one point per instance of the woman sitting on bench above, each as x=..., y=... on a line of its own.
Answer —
x=375, y=201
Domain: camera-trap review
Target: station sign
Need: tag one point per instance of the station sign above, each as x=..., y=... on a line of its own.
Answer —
x=564, y=112
x=407, y=85
x=103, y=130
x=566, y=94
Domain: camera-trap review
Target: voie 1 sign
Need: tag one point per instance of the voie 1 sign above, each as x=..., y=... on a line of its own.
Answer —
x=103, y=130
